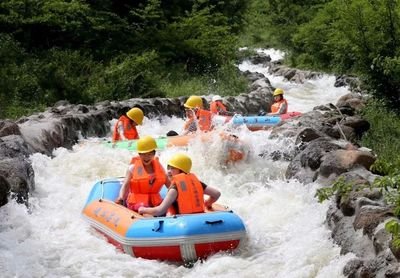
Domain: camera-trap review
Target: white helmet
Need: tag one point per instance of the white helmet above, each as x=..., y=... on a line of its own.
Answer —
x=217, y=97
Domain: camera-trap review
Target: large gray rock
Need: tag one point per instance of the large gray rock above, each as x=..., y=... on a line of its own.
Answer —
x=8, y=127
x=311, y=157
x=19, y=175
x=340, y=161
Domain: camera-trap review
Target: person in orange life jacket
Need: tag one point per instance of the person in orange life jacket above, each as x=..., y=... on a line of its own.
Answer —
x=217, y=107
x=197, y=117
x=185, y=192
x=280, y=105
x=144, y=178
x=125, y=127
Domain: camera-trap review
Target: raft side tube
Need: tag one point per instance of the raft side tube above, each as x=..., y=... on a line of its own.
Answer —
x=257, y=120
x=187, y=225
x=105, y=189
x=131, y=145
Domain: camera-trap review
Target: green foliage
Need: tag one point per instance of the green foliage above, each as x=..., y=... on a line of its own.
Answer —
x=257, y=27
x=85, y=51
x=339, y=187
x=175, y=87
x=383, y=167
x=245, y=53
x=127, y=77
x=384, y=79
x=227, y=81
x=65, y=75
x=357, y=36
x=194, y=42
x=19, y=89
x=273, y=23
x=383, y=137
x=393, y=227
x=390, y=186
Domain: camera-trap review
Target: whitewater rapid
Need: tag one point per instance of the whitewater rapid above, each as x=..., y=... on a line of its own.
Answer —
x=287, y=236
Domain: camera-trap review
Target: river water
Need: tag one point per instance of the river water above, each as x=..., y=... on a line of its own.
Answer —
x=287, y=236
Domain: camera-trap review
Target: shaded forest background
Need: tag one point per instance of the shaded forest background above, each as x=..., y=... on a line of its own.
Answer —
x=86, y=51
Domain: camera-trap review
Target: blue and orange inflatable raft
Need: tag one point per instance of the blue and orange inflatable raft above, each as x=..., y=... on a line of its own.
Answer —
x=182, y=238
x=255, y=123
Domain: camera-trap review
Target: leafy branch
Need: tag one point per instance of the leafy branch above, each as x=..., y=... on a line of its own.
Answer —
x=393, y=227
x=340, y=187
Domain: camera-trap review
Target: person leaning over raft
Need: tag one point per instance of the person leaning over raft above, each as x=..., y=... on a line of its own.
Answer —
x=125, y=127
x=217, y=107
x=280, y=105
x=186, y=192
x=144, y=178
x=197, y=117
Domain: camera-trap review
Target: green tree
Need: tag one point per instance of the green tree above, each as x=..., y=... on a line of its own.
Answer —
x=84, y=51
x=355, y=36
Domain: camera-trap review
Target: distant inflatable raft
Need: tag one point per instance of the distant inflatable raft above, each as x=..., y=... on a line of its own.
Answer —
x=234, y=149
x=162, y=143
x=256, y=122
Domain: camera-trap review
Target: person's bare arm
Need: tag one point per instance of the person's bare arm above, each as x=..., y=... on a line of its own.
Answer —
x=120, y=130
x=213, y=194
x=163, y=207
x=123, y=192
x=282, y=109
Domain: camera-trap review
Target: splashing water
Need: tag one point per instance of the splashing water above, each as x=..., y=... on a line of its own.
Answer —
x=287, y=236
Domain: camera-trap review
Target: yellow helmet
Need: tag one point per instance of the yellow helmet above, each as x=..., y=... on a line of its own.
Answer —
x=146, y=144
x=181, y=161
x=278, y=91
x=136, y=114
x=194, y=102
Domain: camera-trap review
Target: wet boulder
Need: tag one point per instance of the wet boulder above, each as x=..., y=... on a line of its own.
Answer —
x=368, y=217
x=19, y=175
x=311, y=156
x=8, y=127
x=354, y=100
x=340, y=161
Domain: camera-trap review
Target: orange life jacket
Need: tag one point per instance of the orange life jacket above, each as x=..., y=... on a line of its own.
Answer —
x=190, y=193
x=204, y=119
x=130, y=131
x=234, y=148
x=145, y=188
x=216, y=107
x=276, y=106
